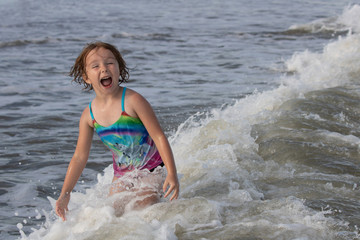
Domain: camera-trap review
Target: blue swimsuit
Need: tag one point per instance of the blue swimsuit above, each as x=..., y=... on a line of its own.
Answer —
x=130, y=143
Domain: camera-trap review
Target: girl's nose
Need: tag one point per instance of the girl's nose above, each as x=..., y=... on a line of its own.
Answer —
x=104, y=69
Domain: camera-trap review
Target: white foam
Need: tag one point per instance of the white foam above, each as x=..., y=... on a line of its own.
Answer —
x=220, y=145
x=224, y=136
x=348, y=21
x=350, y=18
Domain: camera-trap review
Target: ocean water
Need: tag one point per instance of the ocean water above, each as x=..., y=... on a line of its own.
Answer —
x=259, y=99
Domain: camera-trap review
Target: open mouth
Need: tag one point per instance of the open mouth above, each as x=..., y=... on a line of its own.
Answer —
x=106, y=82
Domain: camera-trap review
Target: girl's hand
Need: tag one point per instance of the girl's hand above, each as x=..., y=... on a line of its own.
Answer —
x=61, y=206
x=172, y=182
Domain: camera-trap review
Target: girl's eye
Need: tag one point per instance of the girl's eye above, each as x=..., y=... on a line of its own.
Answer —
x=95, y=66
x=110, y=63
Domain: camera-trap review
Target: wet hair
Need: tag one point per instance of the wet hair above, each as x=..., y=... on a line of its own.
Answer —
x=79, y=69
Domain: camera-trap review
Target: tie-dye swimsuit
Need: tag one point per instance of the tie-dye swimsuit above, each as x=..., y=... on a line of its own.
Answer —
x=130, y=143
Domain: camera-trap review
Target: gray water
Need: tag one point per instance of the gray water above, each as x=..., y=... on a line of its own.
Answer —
x=260, y=100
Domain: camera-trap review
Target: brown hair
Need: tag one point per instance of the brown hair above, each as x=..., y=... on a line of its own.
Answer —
x=79, y=69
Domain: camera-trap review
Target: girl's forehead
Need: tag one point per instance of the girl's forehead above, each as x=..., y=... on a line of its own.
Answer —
x=99, y=53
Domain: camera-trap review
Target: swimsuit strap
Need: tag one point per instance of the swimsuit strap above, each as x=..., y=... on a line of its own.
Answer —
x=122, y=100
x=91, y=113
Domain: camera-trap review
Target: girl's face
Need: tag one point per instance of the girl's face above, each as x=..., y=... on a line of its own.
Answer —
x=102, y=70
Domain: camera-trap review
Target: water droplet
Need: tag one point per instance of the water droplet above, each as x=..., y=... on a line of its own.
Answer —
x=19, y=226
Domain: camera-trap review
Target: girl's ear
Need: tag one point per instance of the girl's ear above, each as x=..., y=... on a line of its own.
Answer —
x=85, y=78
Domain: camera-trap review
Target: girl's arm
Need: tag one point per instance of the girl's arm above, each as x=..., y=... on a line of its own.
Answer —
x=144, y=111
x=77, y=163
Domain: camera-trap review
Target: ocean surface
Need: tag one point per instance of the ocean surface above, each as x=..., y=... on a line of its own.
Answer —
x=259, y=99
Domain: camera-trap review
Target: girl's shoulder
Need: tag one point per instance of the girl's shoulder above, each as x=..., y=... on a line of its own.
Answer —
x=86, y=117
x=131, y=92
x=134, y=100
x=133, y=96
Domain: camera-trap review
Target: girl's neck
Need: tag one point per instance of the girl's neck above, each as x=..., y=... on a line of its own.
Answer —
x=105, y=99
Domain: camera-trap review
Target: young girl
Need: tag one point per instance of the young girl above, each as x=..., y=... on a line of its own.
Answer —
x=126, y=124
